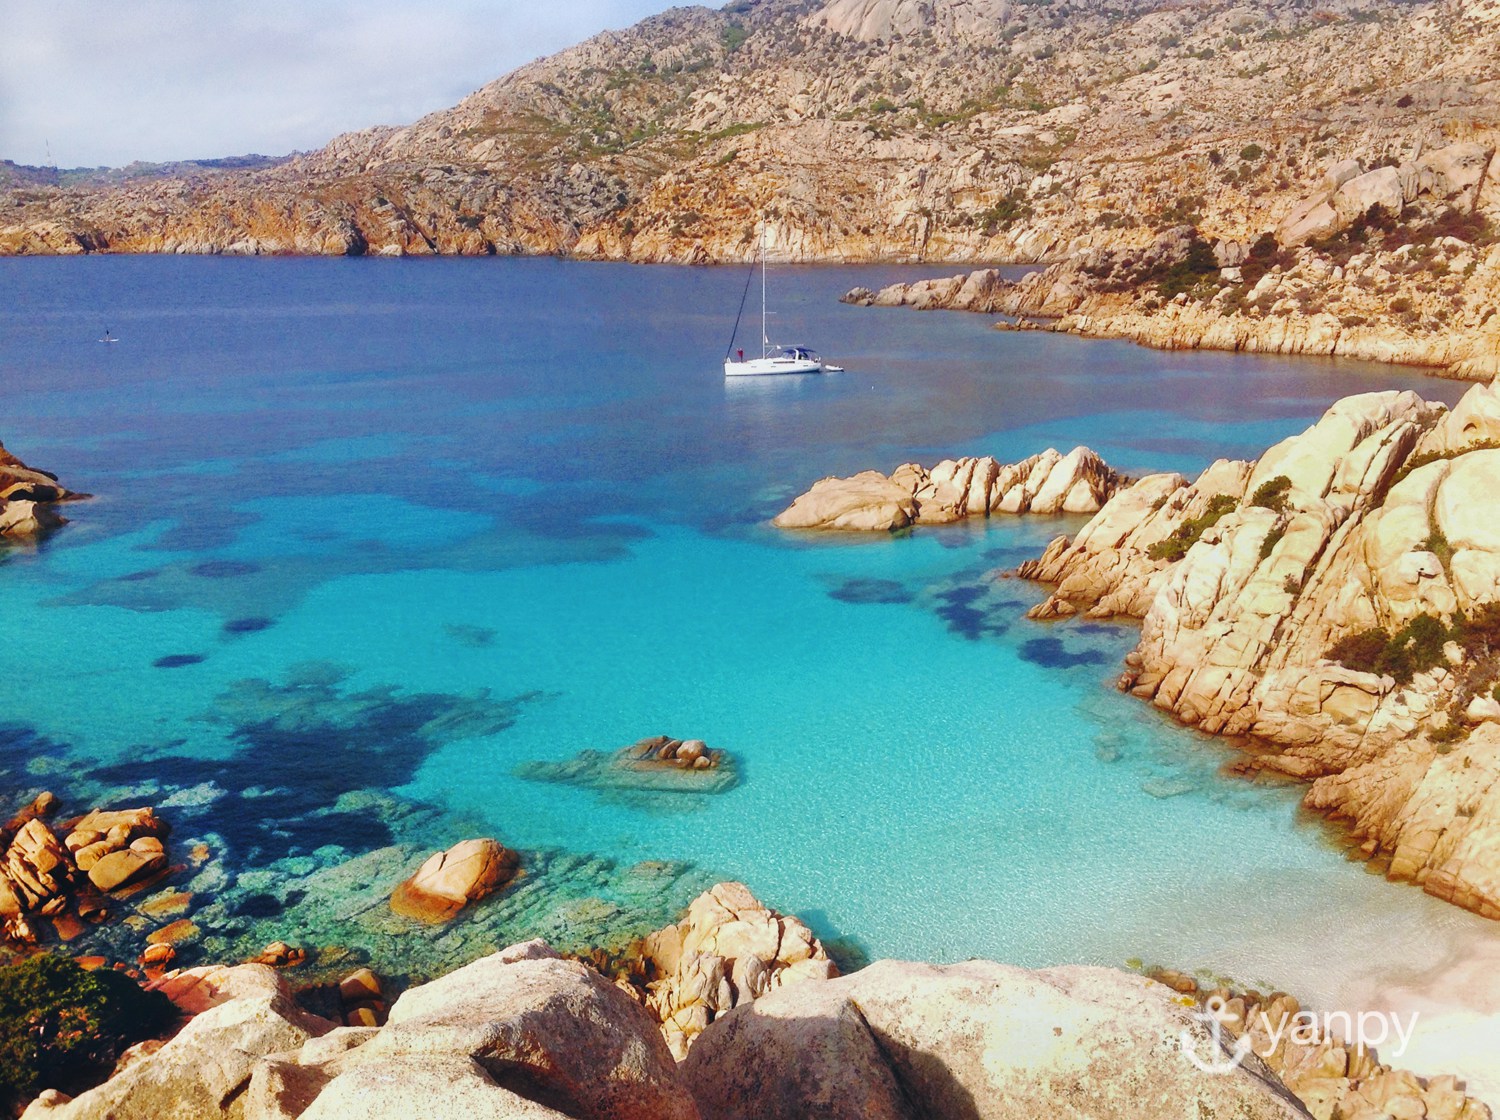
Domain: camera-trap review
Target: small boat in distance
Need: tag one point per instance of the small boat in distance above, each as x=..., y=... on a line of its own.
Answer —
x=773, y=359
x=108, y=337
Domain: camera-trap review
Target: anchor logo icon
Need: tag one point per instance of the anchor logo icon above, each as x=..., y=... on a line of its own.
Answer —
x=1220, y=1060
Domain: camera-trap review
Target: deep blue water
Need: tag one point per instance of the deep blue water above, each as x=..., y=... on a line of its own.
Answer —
x=368, y=528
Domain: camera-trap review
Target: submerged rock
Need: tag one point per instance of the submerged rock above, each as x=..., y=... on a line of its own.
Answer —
x=448, y=881
x=1049, y=483
x=659, y=764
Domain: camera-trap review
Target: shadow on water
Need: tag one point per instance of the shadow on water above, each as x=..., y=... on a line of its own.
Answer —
x=303, y=744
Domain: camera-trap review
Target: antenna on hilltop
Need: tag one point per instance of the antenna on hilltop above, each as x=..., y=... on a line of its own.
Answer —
x=50, y=162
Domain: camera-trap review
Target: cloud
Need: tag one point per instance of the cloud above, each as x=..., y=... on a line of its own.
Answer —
x=110, y=81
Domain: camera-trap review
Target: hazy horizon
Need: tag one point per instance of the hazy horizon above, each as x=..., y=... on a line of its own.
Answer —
x=163, y=80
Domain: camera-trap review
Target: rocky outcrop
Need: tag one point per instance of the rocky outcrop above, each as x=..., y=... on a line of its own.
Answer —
x=28, y=500
x=1339, y=601
x=448, y=881
x=526, y=1033
x=518, y=1033
x=521, y=1025
x=659, y=764
x=43, y=877
x=978, y=1039
x=728, y=951
x=1410, y=281
x=1451, y=175
x=1049, y=483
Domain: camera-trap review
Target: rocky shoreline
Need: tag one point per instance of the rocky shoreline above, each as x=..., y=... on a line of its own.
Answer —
x=28, y=501
x=736, y=1011
x=1391, y=264
x=1336, y=603
x=956, y=489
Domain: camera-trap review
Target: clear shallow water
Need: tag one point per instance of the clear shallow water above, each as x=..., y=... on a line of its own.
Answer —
x=518, y=493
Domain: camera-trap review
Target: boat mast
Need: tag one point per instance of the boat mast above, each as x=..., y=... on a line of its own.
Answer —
x=765, y=336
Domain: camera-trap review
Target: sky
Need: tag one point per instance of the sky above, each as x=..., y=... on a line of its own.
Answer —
x=105, y=82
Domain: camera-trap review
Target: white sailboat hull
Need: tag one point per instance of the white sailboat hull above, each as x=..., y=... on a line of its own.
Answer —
x=770, y=367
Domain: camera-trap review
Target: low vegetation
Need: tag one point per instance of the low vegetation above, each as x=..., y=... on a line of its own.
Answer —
x=1272, y=493
x=1417, y=647
x=1427, y=458
x=1190, y=532
x=63, y=1027
x=1273, y=538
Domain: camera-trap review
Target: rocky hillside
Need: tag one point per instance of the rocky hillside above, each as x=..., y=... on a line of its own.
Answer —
x=1338, y=604
x=855, y=129
x=1391, y=263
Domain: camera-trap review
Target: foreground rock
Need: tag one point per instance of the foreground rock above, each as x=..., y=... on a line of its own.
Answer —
x=521, y=1033
x=448, y=881
x=1339, y=600
x=659, y=764
x=955, y=489
x=526, y=1033
x=903, y=1040
x=28, y=500
x=728, y=951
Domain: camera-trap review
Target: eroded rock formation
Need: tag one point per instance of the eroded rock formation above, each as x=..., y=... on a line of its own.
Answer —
x=898, y=1041
x=729, y=950
x=1337, y=600
x=64, y=880
x=28, y=500
x=1049, y=483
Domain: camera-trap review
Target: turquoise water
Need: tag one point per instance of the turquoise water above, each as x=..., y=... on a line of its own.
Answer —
x=370, y=534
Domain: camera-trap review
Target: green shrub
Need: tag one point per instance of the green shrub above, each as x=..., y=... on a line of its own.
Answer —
x=1360, y=652
x=1189, y=533
x=1437, y=544
x=63, y=1027
x=733, y=37
x=1454, y=731
x=1186, y=274
x=1415, y=648
x=1428, y=457
x=1272, y=493
x=1479, y=632
x=1273, y=538
x=1007, y=212
x=1251, y=152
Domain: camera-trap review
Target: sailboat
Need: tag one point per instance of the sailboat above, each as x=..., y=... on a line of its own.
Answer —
x=773, y=359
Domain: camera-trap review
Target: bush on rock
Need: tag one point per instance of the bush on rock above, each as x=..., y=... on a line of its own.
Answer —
x=63, y=1027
